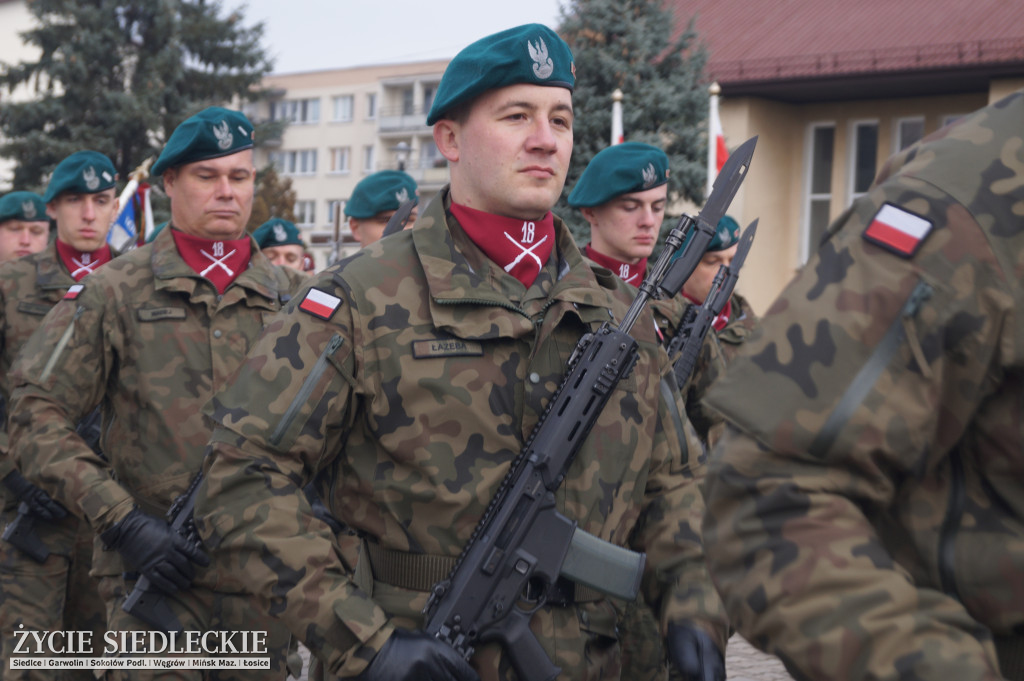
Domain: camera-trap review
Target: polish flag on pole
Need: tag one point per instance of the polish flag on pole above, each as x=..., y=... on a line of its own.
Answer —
x=717, y=152
x=617, y=136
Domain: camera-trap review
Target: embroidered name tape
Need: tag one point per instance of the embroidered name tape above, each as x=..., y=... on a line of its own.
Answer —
x=897, y=230
x=320, y=303
x=74, y=291
x=446, y=347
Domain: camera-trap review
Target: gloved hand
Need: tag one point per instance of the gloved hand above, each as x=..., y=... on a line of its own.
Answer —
x=150, y=546
x=417, y=656
x=39, y=502
x=694, y=654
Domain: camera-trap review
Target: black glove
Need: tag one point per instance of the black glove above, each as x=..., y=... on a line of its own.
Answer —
x=150, y=546
x=39, y=503
x=694, y=654
x=417, y=656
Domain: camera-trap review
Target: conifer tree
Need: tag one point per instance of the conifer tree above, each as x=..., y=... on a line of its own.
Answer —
x=275, y=198
x=118, y=76
x=628, y=44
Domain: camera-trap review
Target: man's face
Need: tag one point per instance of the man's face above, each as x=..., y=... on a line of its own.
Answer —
x=510, y=154
x=212, y=199
x=369, y=230
x=626, y=228
x=19, y=238
x=83, y=220
x=289, y=255
x=699, y=283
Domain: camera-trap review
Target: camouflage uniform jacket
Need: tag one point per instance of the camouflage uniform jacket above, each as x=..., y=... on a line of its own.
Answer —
x=742, y=322
x=29, y=288
x=149, y=340
x=866, y=509
x=417, y=385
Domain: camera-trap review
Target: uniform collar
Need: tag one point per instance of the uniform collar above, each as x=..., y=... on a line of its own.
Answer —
x=50, y=271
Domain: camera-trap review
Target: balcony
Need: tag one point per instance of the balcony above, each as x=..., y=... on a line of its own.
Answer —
x=402, y=119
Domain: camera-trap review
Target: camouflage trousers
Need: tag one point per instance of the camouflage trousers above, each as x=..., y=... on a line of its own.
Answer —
x=57, y=595
x=643, y=650
x=199, y=609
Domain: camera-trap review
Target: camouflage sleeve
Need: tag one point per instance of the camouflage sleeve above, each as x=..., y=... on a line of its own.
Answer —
x=59, y=377
x=710, y=365
x=677, y=584
x=282, y=418
x=867, y=371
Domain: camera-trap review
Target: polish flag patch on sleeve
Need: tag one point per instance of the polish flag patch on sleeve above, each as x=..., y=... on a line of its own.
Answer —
x=897, y=230
x=74, y=291
x=320, y=303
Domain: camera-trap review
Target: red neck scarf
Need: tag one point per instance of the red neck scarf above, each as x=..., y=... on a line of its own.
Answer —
x=219, y=261
x=520, y=247
x=80, y=264
x=722, y=319
x=631, y=274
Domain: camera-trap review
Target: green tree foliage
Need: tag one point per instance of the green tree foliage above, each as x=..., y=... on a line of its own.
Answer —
x=275, y=198
x=628, y=44
x=117, y=76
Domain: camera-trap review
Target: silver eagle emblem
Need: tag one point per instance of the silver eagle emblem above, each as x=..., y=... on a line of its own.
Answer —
x=402, y=195
x=28, y=209
x=650, y=175
x=223, y=134
x=543, y=67
x=91, y=179
x=279, y=233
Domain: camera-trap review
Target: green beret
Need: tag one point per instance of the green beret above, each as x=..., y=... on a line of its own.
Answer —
x=156, y=230
x=27, y=206
x=727, y=234
x=83, y=172
x=381, y=191
x=277, y=232
x=211, y=133
x=532, y=54
x=620, y=169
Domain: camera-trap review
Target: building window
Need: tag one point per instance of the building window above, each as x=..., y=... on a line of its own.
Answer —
x=297, y=162
x=371, y=105
x=408, y=105
x=864, y=159
x=908, y=131
x=428, y=97
x=336, y=208
x=368, y=158
x=296, y=111
x=430, y=157
x=821, y=150
x=343, y=108
x=305, y=213
x=340, y=159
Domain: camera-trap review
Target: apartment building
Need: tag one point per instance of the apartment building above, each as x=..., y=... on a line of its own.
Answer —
x=343, y=124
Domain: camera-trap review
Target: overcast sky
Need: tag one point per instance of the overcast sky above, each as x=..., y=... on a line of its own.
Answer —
x=309, y=35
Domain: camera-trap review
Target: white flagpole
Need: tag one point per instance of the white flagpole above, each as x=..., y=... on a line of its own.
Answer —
x=714, y=130
x=617, y=136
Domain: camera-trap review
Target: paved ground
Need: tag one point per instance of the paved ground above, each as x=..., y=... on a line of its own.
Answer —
x=743, y=662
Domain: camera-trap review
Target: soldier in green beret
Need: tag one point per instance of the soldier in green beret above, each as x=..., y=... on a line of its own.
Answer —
x=24, y=225
x=866, y=504
x=375, y=199
x=280, y=241
x=147, y=339
x=406, y=379
x=57, y=594
x=737, y=320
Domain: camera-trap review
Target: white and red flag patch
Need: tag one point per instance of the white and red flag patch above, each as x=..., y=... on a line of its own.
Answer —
x=320, y=303
x=74, y=291
x=898, y=230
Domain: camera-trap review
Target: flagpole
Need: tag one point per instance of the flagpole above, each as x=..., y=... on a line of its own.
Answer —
x=140, y=173
x=713, y=90
x=617, y=135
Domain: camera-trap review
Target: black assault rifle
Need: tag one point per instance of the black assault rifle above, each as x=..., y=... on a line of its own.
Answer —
x=697, y=321
x=522, y=540
x=21, y=532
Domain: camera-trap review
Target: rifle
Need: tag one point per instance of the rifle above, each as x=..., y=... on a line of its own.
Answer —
x=147, y=602
x=522, y=540
x=696, y=322
x=21, y=532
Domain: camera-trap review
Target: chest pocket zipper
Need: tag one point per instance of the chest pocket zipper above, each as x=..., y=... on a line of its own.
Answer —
x=306, y=389
x=865, y=379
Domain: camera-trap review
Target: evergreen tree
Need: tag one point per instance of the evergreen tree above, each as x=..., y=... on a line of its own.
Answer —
x=275, y=198
x=117, y=76
x=627, y=44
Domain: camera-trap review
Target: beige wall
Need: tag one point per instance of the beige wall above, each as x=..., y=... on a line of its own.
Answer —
x=775, y=189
